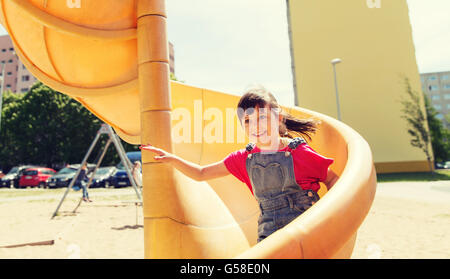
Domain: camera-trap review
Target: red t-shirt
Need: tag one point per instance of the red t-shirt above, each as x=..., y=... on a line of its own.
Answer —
x=309, y=166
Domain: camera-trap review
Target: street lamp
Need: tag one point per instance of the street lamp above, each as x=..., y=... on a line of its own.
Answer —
x=334, y=62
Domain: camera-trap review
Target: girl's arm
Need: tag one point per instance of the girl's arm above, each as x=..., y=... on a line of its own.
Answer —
x=332, y=177
x=195, y=171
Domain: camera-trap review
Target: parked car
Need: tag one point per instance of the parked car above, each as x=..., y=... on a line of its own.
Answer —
x=120, y=178
x=63, y=177
x=36, y=177
x=447, y=165
x=11, y=179
x=103, y=177
x=439, y=165
x=1, y=174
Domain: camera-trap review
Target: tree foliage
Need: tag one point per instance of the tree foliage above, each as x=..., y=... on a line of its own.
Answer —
x=47, y=128
x=440, y=135
x=423, y=126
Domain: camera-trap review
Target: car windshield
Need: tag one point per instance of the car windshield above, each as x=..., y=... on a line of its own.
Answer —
x=13, y=170
x=120, y=166
x=67, y=171
x=30, y=172
x=102, y=171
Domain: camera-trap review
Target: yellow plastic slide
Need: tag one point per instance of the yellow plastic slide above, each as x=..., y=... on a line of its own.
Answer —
x=113, y=60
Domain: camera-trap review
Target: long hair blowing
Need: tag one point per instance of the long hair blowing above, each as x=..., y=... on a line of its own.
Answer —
x=290, y=127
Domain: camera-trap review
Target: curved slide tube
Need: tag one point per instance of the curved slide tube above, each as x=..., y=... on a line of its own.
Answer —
x=90, y=54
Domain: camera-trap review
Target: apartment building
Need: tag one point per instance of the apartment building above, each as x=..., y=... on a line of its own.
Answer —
x=437, y=87
x=15, y=76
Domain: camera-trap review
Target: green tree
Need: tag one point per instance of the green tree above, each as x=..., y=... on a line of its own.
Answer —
x=45, y=127
x=7, y=137
x=440, y=136
x=416, y=121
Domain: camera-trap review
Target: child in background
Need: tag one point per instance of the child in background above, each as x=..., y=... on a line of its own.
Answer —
x=81, y=182
x=137, y=173
x=278, y=166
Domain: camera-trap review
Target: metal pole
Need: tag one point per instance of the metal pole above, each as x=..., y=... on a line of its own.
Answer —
x=125, y=161
x=98, y=163
x=77, y=173
x=337, y=94
x=94, y=171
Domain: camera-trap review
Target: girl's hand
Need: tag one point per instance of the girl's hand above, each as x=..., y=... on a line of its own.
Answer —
x=164, y=156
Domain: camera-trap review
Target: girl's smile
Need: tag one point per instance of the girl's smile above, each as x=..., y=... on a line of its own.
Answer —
x=262, y=126
x=259, y=135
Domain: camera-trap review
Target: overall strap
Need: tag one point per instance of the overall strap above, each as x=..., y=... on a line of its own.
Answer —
x=295, y=142
x=249, y=147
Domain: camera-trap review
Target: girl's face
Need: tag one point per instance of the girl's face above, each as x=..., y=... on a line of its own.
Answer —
x=262, y=125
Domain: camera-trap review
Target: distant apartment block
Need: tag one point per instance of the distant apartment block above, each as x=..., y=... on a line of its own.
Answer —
x=437, y=87
x=16, y=76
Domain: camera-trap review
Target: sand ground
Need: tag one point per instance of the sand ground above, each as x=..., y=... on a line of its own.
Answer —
x=407, y=220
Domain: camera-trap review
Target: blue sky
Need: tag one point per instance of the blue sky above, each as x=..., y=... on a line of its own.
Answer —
x=229, y=45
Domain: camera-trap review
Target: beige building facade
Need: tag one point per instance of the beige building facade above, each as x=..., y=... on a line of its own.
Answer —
x=375, y=45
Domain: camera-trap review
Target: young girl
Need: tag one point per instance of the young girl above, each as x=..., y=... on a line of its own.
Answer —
x=281, y=170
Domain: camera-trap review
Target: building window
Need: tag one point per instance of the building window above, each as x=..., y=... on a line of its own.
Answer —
x=10, y=61
x=445, y=77
x=447, y=96
x=432, y=78
x=440, y=116
x=25, y=78
x=8, y=86
x=24, y=90
x=436, y=97
x=447, y=86
x=448, y=106
x=9, y=73
x=438, y=107
x=4, y=50
x=433, y=87
x=11, y=49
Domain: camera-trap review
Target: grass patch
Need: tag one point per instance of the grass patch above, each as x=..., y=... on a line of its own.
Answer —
x=438, y=175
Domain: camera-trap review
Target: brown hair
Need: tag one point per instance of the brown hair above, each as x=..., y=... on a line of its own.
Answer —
x=290, y=126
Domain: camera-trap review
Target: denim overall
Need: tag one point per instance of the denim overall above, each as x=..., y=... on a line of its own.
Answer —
x=280, y=198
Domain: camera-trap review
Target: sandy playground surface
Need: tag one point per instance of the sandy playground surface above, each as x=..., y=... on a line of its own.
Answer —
x=407, y=220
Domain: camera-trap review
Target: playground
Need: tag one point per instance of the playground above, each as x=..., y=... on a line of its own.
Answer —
x=110, y=227
x=398, y=226
x=119, y=71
